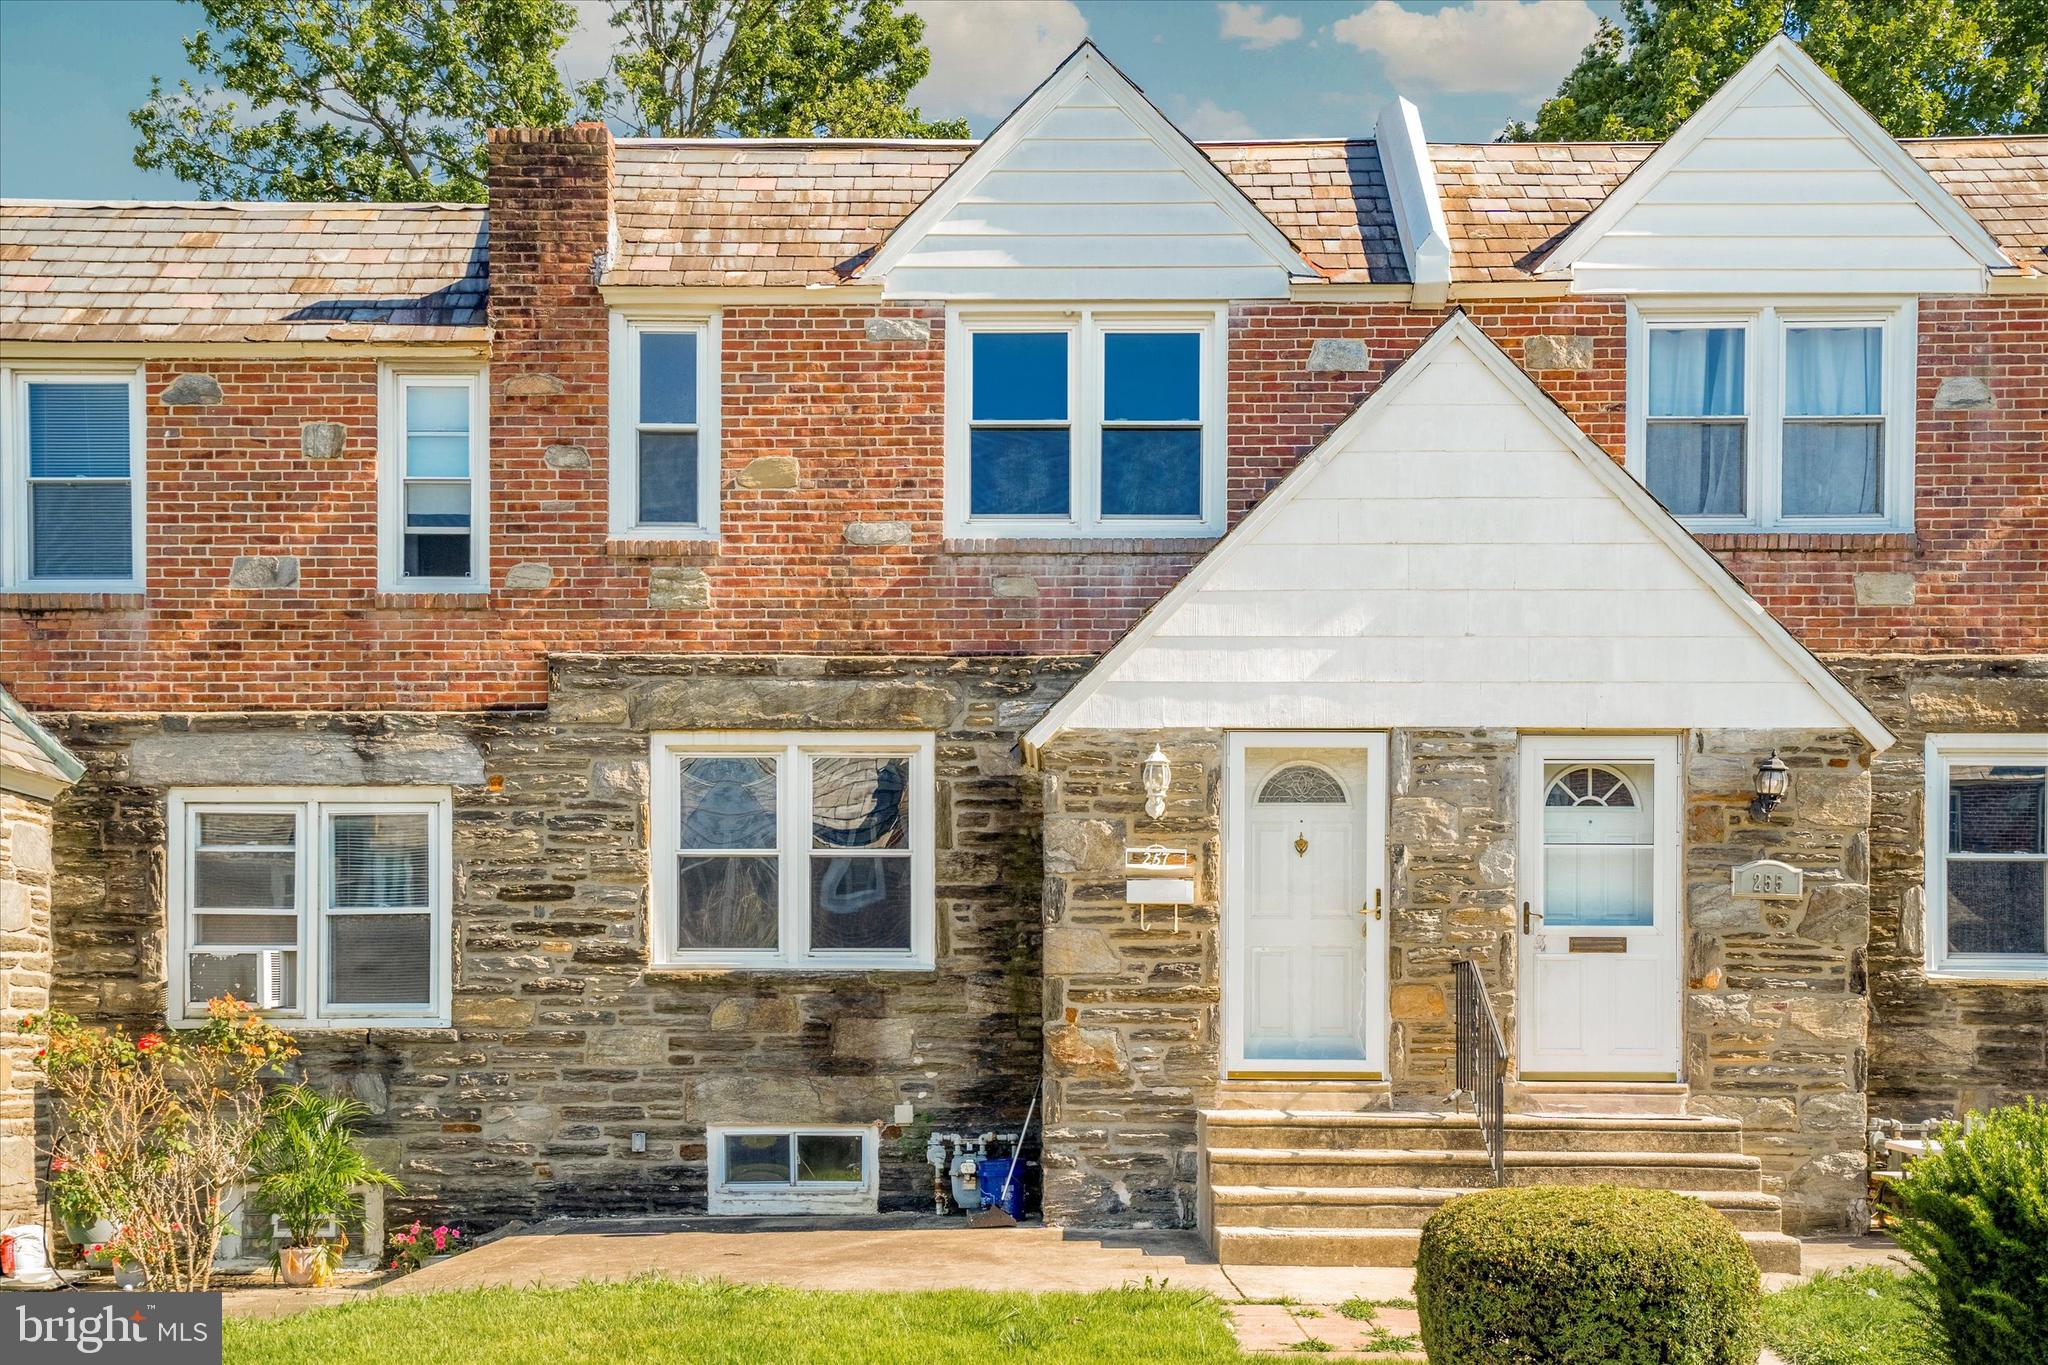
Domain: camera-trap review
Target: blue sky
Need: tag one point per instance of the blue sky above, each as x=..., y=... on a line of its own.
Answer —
x=70, y=70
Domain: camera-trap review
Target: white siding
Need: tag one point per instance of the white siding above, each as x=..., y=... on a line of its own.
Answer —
x=1777, y=198
x=1453, y=563
x=1088, y=205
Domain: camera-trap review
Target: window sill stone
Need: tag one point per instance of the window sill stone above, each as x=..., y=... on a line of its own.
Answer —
x=1810, y=542
x=73, y=601
x=431, y=601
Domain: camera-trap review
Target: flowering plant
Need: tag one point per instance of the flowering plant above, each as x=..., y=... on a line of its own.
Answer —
x=71, y=1196
x=413, y=1247
x=159, y=1127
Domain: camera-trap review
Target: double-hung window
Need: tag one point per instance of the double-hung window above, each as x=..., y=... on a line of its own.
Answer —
x=434, y=493
x=71, y=485
x=325, y=906
x=664, y=427
x=793, y=850
x=1987, y=855
x=1085, y=423
x=1775, y=418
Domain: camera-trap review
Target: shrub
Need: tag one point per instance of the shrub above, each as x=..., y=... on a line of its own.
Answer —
x=158, y=1127
x=1574, y=1275
x=1974, y=1216
x=307, y=1167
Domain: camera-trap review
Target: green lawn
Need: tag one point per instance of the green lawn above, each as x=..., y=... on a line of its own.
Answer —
x=708, y=1321
x=1860, y=1317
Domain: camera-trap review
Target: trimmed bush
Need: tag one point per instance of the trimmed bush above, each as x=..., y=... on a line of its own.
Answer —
x=1975, y=1218
x=1585, y=1275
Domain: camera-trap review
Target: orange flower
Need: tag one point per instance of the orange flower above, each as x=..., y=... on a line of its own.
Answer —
x=149, y=1041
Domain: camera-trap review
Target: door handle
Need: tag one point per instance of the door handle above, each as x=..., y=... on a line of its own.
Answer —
x=1527, y=915
x=1374, y=908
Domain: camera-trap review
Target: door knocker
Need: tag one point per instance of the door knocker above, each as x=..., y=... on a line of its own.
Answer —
x=1301, y=845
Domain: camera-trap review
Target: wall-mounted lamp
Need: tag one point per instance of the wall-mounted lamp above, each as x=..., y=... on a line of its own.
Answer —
x=1772, y=778
x=1158, y=776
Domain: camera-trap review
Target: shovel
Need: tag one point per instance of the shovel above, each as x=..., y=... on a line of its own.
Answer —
x=997, y=1215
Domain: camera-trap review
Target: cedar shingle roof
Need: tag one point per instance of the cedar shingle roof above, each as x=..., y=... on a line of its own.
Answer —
x=241, y=272
x=1329, y=196
x=2002, y=181
x=1504, y=201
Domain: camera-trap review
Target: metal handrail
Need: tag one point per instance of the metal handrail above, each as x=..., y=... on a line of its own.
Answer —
x=1482, y=1063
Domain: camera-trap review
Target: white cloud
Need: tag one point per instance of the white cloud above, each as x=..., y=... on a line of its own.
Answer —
x=1504, y=47
x=987, y=55
x=1206, y=120
x=1252, y=26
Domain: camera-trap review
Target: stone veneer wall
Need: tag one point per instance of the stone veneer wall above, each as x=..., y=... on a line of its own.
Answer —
x=1775, y=1013
x=24, y=989
x=1940, y=1047
x=564, y=1041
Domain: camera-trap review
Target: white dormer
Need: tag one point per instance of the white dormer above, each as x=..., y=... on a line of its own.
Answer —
x=1087, y=192
x=1780, y=184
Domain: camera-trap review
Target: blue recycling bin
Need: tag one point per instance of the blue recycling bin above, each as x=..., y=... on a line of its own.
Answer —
x=991, y=1173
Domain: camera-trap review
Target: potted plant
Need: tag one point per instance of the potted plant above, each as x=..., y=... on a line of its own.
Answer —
x=73, y=1203
x=306, y=1171
x=113, y=1255
x=413, y=1247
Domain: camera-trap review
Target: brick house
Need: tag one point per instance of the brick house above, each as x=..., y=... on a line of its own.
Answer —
x=659, y=694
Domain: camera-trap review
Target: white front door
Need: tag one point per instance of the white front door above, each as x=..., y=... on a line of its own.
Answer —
x=1305, y=952
x=1599, y=993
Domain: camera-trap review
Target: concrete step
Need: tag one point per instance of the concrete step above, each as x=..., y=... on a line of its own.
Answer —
x=1775, y=1252
x=1634, y=1098
x=1452, y=1169
x=1379, y=1206
x=1305, y=1095
x=1460, y=1132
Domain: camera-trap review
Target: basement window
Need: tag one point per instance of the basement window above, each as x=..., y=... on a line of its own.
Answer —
x=1987, y=855
x=793, y=1170
x=793, y=851
x=324, y=906
x=71, y=485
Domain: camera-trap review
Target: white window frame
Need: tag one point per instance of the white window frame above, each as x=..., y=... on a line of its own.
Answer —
x=813, y=1196
x=1085, y=327
x=625, y=425
x=793, y=751
x=315, y=807
x=15, y=575
x=392, y=381
x=1943, y=752
x=1765, y=325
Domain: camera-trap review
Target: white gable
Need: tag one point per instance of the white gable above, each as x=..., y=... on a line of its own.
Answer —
x=1086, y=192
x=1458, y=554
x=1780, y=184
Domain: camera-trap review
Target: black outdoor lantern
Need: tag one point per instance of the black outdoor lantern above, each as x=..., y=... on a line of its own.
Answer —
x=1772, y=778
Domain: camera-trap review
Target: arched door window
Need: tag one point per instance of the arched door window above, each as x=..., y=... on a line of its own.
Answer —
x=1302, y=784
x=1598, y=851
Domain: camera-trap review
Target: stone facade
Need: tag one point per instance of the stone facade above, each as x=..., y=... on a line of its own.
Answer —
x=1940, y=1047
x=564, y=1040
x=24, y=989
x=1775, y=1014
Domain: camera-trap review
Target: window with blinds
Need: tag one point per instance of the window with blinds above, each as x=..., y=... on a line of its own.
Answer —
x=434, y=498
x=72, y=466
x=794, y=849
x=664, y=428
x=322, y=906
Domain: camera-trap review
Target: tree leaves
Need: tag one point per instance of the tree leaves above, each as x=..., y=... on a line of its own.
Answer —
x=354, y=99
x=1921, y=67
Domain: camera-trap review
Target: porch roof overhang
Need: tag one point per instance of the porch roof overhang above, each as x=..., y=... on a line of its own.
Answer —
x=1482, y=430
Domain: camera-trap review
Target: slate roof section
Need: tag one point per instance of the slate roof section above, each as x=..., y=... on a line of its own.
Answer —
x=27, y=749
x=81, y=271
x=738, y=213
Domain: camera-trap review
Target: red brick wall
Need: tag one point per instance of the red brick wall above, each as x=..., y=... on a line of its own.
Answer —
x=864, y=420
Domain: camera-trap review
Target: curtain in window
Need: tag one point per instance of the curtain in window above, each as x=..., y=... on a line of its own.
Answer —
x=1834, y=428
x=1695, y=437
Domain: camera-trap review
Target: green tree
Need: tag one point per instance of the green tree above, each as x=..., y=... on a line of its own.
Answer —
x=354, y=99
x=1921, y=67
x=766, y=68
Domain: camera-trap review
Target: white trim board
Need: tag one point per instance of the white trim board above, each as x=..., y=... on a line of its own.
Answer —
x=1772, y=143
x=1078, y=127
x=1637, y=509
